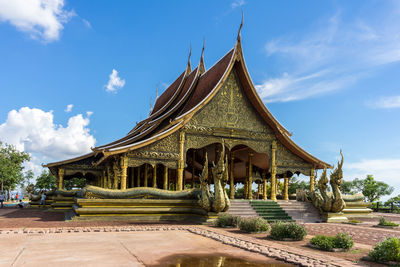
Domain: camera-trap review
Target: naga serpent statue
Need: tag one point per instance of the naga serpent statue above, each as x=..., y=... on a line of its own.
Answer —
x=220, y=201
x=330, y=202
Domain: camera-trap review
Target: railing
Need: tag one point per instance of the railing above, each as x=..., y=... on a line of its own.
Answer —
x=391, y=208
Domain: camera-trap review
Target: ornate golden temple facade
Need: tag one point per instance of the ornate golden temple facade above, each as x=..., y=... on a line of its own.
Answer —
x=201, y=110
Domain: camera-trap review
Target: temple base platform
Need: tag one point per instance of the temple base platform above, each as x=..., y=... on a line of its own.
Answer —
x=334, y=217
x=140, y=210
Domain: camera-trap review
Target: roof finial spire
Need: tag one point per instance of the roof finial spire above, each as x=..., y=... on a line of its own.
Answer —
x=239, y=38
x=158, y=84
x=151, y=106
x=201, y=65
x=189, y=67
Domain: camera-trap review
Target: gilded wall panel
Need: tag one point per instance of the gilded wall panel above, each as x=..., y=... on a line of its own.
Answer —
x=230, y=109
x=287, y=161
x=164, y=151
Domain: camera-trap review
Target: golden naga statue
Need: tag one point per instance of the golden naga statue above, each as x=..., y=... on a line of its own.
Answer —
x=220, y=201
x=330, y=202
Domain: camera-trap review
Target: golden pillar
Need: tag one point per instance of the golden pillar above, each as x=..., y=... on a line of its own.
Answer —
x=165, y=181
x=108, y=176
x=155, y=176
x=250, y=194
x=104, y=179
x=146, y=173
x=61, y=172
x=246, y=191
x=286, y=188
x=181, y=162
x=138, y=176
x=116, y=172
x=273, y=171
x=193, y=160
x=124, y=171
x=265, y=186
x=232, y=184
x=132, y=177
x=312, y=185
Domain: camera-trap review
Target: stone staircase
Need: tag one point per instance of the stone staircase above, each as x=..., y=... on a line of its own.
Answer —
x=302, y=212
x=270, y=211
x=242, y=208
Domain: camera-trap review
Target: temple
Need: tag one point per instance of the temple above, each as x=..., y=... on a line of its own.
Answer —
x=201, y=111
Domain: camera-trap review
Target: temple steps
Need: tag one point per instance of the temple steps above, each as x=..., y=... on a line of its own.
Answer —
x=301, y=212
x=241, y=208
x=270, y=211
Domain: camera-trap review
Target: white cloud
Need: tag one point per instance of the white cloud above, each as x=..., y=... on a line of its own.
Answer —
x=115, y=82
x=89, y=113
x=41, y=19
x=69, y=108
x=387, y=102
x=386, y=170
x=333, y=56
x=87, y=23
x=237, y=3
x=34, y=131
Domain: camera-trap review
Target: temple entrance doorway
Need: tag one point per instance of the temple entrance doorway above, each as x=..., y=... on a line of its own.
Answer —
x=248, y=170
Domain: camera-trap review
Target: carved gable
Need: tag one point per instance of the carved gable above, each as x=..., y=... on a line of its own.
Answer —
x=230, y=108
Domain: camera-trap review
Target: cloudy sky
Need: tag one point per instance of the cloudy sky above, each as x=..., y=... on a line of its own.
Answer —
x=73, y=76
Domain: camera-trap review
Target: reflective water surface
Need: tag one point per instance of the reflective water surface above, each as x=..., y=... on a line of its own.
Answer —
x=219, y=261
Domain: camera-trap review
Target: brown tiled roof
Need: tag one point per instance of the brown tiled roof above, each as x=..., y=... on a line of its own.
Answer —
x=168, y=94
x=208, y=81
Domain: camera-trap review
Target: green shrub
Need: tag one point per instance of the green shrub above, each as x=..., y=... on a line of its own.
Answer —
x=384, y=222
x=343, y=240
x=253, y=225
x=227, y=220
x=328, y=243
x=322, y=242
x=354, y=221
x=387, y=250
x=281, y=230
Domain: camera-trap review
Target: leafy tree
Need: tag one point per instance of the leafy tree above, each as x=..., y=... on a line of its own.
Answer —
x=46, y=181
x=347, y=187
x=373, y=190
x=395, y=200
x=11, y=168
x=75, y=183
x=27, y=178
x=295, y=184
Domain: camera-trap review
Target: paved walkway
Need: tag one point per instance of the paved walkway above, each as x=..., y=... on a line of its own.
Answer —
x=138, y=245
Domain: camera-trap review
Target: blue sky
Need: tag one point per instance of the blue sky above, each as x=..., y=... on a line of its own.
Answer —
x=76, y=74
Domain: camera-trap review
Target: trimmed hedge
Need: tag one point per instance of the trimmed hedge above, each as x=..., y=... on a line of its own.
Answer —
x=322, y=242
x=292, y=230
x=328, y=243
x=227, y=220
x=253, y=225
x=387, y=250
x=384, y=222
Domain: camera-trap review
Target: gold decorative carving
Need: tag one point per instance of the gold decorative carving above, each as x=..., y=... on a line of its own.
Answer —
x=154, y=155
x=230, y=109
x=287, y=161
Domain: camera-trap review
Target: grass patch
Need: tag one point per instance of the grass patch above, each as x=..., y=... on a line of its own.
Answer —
x=384, y=222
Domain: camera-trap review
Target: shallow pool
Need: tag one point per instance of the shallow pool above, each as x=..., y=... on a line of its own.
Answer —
x=218, y=261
